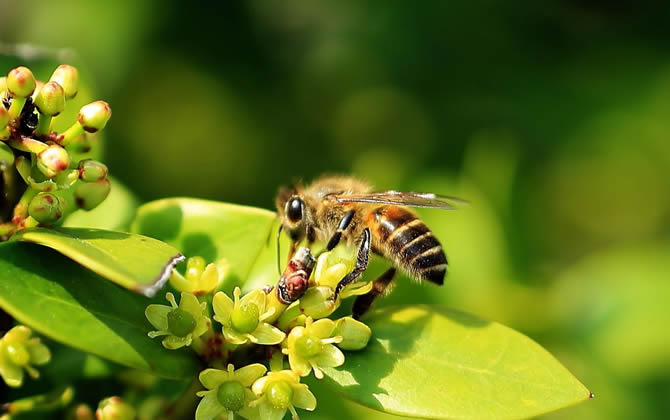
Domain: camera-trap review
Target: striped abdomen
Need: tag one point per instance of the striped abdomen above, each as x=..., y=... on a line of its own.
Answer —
x=404, y=239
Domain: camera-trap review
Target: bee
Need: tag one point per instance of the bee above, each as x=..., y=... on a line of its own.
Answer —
x=335, y=209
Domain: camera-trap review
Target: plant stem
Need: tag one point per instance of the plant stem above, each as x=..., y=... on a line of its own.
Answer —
x=16, y=107
x=43, y=124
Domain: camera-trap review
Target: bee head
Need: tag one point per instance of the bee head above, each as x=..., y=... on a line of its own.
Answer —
x=294, y=218
x=293, y=213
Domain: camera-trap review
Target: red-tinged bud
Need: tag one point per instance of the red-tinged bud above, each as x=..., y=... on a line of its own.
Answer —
x=92, y=171
x=68, y=77
x=53, y=160
x=46, y=208
x=89, y=195
x=94, y=116
x=21, y=82
x=50, y=100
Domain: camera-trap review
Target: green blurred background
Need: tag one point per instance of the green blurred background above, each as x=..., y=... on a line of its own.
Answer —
x=552, y=118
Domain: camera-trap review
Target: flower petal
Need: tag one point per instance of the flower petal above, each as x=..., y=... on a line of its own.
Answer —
x=248, y=374
x=157, y=316
x=303, y=397
x=298, y=364
x=259, y=385
x=190, y=304
x=202, y=326
x=266, y=334
x=11, y=373
x=209, y=278
x=268, y=412
x=233, y=336
x=223, y=307
x=212, y=378
x=39, y=353
x=257, y=297
x=322, y=328
x=209, y=407
x=172, y=342
x=330, y=356
x=19, y=333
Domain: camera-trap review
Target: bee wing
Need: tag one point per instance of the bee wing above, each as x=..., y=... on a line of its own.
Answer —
x=403, y=198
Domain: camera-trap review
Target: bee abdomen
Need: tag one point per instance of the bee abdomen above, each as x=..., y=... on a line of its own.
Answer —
x=410, y=243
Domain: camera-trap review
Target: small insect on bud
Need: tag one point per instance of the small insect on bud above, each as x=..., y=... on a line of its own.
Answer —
x=294, y=281
x=46, y=208
x=50, y=100
x=94, y=116
x=21, y=82
x=92, y=171
x=89, y=195
x=355, y=334
x=68, y=77
x=113, y=408
x=53, y=160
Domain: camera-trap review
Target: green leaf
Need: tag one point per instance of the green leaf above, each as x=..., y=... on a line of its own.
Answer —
x=432, y=362
x=115, y=213
x=136, y=262
x=216, y=231
x=70, y=304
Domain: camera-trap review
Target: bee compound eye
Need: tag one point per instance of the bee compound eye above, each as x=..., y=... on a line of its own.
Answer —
x=294, y=210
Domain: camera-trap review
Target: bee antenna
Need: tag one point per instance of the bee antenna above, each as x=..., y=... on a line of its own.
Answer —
x=281, y=226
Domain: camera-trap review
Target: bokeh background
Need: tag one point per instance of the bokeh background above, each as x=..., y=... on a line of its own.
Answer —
x=552, y=118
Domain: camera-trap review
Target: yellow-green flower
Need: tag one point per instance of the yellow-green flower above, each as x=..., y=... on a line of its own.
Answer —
x=199, y=279
x=279, y=392
x=227, y=391
x=18, y=352
x=243, y=319
x=180, y=323
x=311, y=347
x=332, y=266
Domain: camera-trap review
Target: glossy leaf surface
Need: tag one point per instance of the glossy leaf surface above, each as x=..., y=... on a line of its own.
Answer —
x=431, y=362
x=232, y=235
x=70, y=304
x=135, y=262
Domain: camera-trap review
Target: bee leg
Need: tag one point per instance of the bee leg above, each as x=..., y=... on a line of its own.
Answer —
x=361, y=265
x=341, y=227
x=380, y=287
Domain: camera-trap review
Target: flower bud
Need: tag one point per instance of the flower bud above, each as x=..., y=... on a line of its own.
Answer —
x=245, y=317
x=194, y=268
x=92, y=171
x=113, y=408
x=80, y=412
x=3, y=85
x=231, y=395
x=21, y=82
x=94, y=116
x=180, y=322
x=53, y=160
x=89, y=195
x=50, y=100
x=279, y=394
x=355, y=334
x=46, y=208
x=4, y=117
x=68, y=77
x=317, y=302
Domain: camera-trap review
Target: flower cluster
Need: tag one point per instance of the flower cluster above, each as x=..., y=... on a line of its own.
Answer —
x=53, y=180
x=19, y=352
x=289, y=340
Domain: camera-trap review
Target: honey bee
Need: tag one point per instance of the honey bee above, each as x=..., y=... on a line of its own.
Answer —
x=336, y=209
